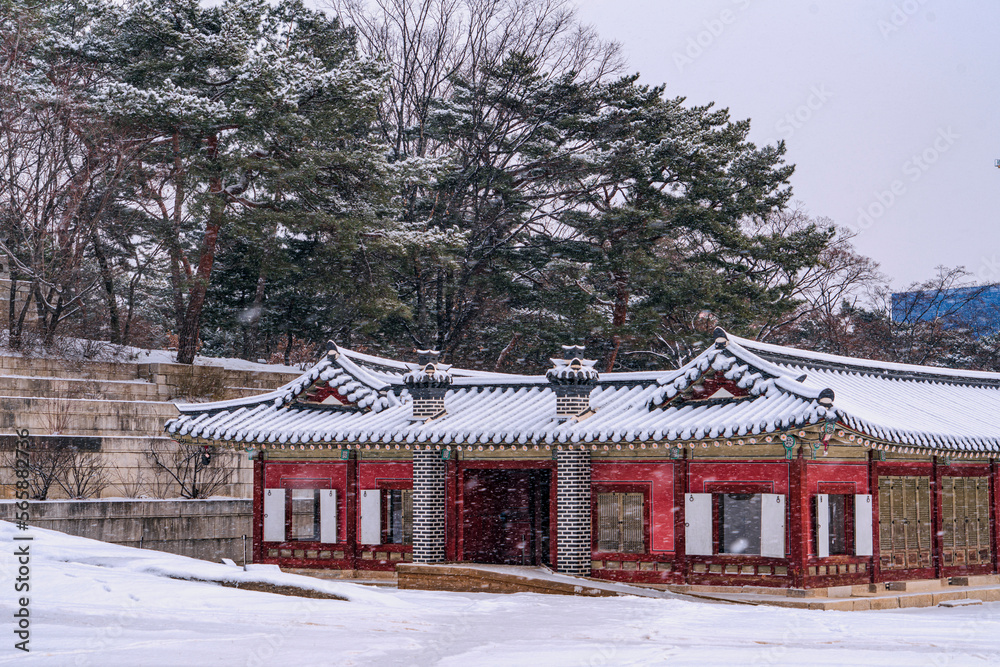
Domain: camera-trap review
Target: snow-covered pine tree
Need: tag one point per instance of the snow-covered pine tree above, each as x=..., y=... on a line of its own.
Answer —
x=248, y=110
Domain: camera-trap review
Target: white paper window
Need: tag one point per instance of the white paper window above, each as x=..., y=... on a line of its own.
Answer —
x=399, y=516
x=305, y=515
x=698, y=524
x=863, y=511
x=274, y=515
x=370, y=509
x=328, y=516
x=741, y=523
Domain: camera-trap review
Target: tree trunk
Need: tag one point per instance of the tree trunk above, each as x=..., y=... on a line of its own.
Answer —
x=114, y=320
x=252, y=348
x=506, y=352
x=619, y=316
x=187, y=338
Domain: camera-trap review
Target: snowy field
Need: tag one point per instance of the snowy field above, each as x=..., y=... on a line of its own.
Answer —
x=98, y=604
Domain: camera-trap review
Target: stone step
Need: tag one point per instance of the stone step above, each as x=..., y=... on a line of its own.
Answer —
x=43, y=367
x=917, y=585
x=975, y=580
x=476, y=578
x=887, y=600
x=85, y=406
x=71, y=387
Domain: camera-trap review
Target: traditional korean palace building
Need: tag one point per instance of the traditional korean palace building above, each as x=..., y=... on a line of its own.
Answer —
x=752, y=464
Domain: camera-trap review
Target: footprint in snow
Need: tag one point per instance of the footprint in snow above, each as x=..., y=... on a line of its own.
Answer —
x=133, y=597
x=107, y=588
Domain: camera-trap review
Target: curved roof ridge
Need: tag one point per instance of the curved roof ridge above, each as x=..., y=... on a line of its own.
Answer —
x=869, y=366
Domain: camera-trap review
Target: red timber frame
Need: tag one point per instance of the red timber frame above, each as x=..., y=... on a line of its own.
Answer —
x=454, y=501
x=653, y=565
x=801, y=568
x=906, y=469
x=305, y=554
x=811, y=571
x=962, y=470
x=346, y=553
x=721, y=569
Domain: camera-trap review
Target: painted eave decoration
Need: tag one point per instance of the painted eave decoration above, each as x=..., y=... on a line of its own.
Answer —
x=735, y=389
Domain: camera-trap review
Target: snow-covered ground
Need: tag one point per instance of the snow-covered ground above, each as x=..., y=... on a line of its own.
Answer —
x=93, y=603
x=82, y=349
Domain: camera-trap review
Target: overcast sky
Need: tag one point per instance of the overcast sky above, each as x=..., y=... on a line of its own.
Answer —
x=889, y=108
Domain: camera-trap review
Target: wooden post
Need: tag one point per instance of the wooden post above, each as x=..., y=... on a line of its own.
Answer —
x=257, y=508
x=937, y=501
x=875, y=567
x=352, y=509
x=798, y=520
x=994, y=524
x=453, y=509
x=680, y=490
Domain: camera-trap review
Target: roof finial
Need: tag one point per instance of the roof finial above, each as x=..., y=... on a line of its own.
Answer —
x=826, y=398
x=721, y=337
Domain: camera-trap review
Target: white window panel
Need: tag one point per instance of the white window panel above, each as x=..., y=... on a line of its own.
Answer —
x=371, y=516
x=328, y=516
x=822, y=525
x=772, y=525
x=863, y=511
x=698, y=524
x=274, y=515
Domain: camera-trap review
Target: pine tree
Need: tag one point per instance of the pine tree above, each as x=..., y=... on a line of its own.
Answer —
x=248, y=111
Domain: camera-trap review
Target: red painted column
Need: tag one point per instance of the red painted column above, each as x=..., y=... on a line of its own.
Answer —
x=352, y=509
x=453, y=510
x=257, y=508
x=994, y=525
x=554, y=518
x=797, y=530
x=680, y=522
x=937, y=494
x=875, y=568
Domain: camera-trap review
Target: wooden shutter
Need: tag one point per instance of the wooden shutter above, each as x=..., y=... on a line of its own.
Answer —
x=948, y=515
x=965, y=523
x=698, y=524
x=964, y=511
x=607, y=522
x=274, y=515
x=924, y=533
x=408, y=516
x=328, y=516
x=633, y=540
x=863, y=511
x=822, y=525
x=885, y=520
x=983, y=516
x=905, y=522
x=772, y=525
x=370, y=509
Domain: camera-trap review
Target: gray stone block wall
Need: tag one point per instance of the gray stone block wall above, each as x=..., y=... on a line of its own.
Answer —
x=573, y=539
x=428, y=507
x=206, y=529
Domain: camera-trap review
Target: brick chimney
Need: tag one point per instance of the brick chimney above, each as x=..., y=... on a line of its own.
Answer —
x=427, y=385
x=572, y=379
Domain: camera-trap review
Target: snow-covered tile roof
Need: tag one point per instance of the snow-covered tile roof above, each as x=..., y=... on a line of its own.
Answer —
x=759, y=389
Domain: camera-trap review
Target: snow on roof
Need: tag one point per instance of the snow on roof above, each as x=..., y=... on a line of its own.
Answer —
x=897, y=404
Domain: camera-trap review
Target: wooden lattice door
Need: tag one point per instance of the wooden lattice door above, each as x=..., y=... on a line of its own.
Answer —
x=965, y=520
x=905, y=535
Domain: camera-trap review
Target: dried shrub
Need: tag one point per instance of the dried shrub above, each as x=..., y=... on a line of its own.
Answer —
x=198, y=471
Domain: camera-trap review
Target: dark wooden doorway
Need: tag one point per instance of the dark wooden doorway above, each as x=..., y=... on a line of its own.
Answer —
x=506, y=516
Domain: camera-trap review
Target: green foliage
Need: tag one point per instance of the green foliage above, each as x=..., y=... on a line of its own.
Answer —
x=273, y=192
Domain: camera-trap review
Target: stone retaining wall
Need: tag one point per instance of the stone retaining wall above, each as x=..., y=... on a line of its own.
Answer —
x=206, y=529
